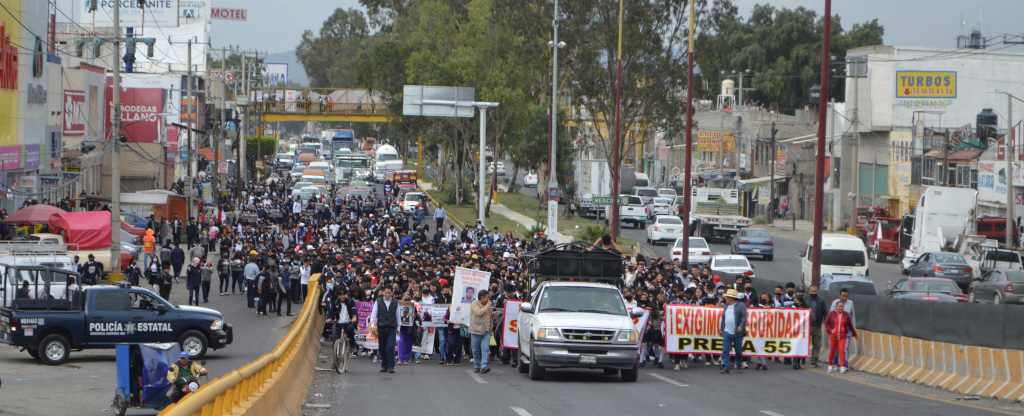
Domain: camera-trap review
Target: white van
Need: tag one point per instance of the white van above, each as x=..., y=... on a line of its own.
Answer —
x=841, y=254
x=642, y=181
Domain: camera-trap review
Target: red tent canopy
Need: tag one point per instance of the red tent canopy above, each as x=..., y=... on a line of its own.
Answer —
x=90, y=229
x=33, y=214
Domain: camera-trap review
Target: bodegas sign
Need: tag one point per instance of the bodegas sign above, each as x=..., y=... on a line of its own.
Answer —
x=8, y=61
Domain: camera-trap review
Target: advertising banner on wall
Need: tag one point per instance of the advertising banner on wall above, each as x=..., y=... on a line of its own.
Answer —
x=780, y=160
x=276, y=73
x=140, y=113
x=162, y=13
x=74, y=113
x=769, y=332
x=712, y=141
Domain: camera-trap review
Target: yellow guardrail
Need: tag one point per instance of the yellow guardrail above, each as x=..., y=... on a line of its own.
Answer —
x=274, y=384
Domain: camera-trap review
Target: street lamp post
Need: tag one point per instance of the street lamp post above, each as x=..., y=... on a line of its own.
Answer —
x=553, y=176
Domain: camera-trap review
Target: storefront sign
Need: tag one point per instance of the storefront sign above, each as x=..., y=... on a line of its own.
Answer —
x=29, y=181
x=74, y=113
x=780, y=160
x=140, y=109
x=711, y=141
x=8, y=58
x=70, y=176
x=925, y=84
x=32, y=156
x=49, y=181
x=162, y=13
x=10, y=158
x=228, y=14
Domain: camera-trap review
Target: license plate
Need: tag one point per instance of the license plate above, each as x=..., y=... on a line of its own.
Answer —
x=757, y=250
x=588, y=359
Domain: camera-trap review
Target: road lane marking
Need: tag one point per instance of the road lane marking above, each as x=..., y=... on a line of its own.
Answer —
x=476, y=377
x=520, y=411
x=770, y=413
x=669, y=380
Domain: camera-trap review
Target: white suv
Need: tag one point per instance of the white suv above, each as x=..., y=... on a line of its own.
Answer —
x=578, y=324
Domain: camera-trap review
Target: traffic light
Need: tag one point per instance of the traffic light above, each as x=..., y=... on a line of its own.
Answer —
x=91, y=5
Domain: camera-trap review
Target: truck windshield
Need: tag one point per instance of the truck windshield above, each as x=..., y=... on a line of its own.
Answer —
x=582, y=299
x=383, y=157
x=847, y=258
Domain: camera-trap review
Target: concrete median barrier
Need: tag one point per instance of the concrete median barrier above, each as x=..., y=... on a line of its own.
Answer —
x=964, y=369
x=274, y=384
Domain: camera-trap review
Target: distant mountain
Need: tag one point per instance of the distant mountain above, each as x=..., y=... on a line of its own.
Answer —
x=296, y=73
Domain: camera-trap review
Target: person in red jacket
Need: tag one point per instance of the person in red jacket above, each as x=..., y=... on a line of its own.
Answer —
x=837, y=324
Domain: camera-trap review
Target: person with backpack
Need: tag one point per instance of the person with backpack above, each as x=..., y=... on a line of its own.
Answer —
x=193, y=281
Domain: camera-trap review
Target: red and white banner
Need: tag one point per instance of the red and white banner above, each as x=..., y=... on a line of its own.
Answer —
x=510, y=331
x=74, y=113
x=640, y=324
x=770, y=332
x=140, y=112
x=228, y=14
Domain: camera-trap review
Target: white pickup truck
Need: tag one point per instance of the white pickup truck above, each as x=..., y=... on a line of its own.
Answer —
x=581, y=325
x=632, y=210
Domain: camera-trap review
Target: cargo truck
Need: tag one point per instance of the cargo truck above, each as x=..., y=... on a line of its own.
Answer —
x=593, y=188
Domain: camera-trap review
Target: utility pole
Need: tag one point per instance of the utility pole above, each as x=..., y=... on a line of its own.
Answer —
x=945, y=158
x=616, y=158
x=217, y=137
x=243, y=156
x=188, y=131
x=114, y=268
x=819, y=174
x=688, y=160
x=856, y=141
x=769, y=214
x=836, y=205
x=1010, y=150
x=553, y=177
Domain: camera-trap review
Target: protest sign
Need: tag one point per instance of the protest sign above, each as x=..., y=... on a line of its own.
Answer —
x=510, y=331
x=433, y=315
x=770, y=332
x=467, y=284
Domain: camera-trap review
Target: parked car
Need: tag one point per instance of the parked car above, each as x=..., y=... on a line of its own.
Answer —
x=998, y=286
x=926, y=288
x=753, y=241
x=667, y=193
x=501, y=169
x=700, y=250
x=857, y=285
x=941, y=264
x=530, y=179
x=658, y=206
x=664, y=228
x=134, y=220
x=728, y=266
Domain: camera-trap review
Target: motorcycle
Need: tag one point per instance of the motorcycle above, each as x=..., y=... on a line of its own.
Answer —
x=142, y=377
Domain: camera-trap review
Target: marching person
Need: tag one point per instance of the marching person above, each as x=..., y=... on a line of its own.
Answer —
x=384, y=318
x=838, y=325
x=480, y=331
x=733, y=327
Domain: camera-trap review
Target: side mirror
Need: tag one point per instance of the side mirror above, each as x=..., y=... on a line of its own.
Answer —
x=636, y=313
x=526, y=307
x=977, y=279
x=888, y=291
x=162, y=308
x=753, y=266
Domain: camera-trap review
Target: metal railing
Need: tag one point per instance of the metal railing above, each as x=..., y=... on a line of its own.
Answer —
x=262, y=386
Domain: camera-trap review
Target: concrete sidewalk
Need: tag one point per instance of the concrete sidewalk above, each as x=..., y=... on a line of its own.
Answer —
x=802, y=228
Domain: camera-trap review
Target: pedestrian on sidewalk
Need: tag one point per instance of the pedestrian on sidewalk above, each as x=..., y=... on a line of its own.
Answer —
x=193, y=281
x=844, y=298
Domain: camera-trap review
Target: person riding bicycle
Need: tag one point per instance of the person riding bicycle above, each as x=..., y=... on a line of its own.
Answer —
x=342, y=310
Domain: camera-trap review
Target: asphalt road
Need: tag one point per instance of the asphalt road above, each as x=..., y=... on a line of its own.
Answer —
x=85, y=384
x=432, y=389
x=784, y=268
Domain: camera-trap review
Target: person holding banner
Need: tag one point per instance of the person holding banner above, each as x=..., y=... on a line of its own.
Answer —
x=733, y=327
x=481, y=316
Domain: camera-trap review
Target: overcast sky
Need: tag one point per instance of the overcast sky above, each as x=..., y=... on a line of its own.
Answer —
x=277, y=25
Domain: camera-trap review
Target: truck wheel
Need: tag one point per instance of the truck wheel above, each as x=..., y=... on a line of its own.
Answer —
x=643, y=225
x=34, y=353
x=631, y=374
x=194, y=343
x=611, y=371
x=536, y=371
x=523, y=369
x=54, y=349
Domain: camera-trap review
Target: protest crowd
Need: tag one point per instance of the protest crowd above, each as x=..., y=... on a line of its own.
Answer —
x=387, y=279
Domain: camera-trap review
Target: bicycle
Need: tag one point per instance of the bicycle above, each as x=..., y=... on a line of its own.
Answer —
x=341, y=352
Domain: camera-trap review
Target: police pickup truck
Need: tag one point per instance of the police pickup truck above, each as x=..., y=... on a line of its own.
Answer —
x=102, y=317
x=578, y=324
